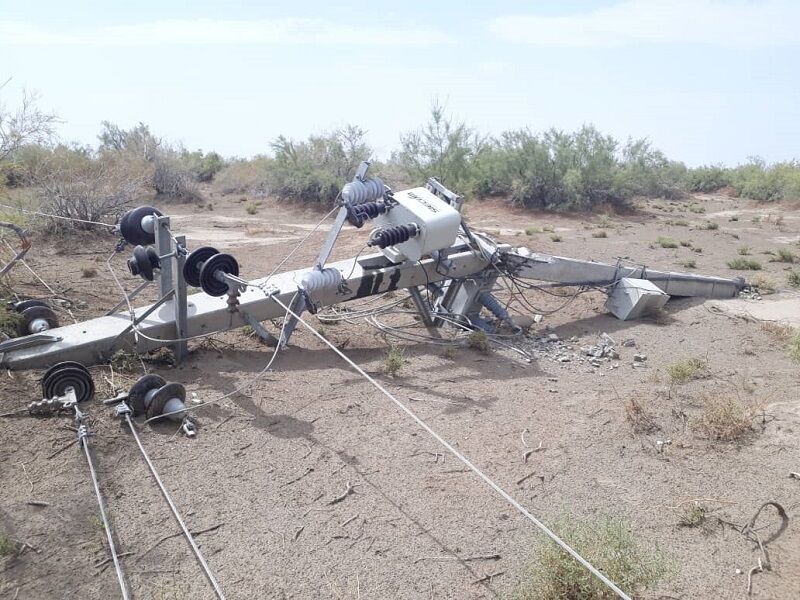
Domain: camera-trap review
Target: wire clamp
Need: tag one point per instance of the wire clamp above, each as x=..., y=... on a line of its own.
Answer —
x=189, y=428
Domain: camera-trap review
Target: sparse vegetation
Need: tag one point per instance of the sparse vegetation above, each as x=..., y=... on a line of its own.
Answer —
x=88, y=272
x=394, y=360
x=686, y=370
x=696, y=208
x=9, y=320
x=666, y=242
x=689, y=263
x=609, y=545
x=744, y=250
x=708, y=179
x=744, y=264
x=709, y=226
x=638, y=414
x=478, y=340
x=532, y=230
x=794, y=347
x=686, y=243
x=251, y=208
x=763, y=283
x=724, y=419
x=693, y=516
x=555, y=238
x=784, y=255
x=7, y=545
x=600, y=234
x=793, y=279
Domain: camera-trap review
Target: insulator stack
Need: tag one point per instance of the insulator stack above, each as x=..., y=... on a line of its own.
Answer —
x=360, y=213
x=391, y=236
x=359, y=192
x=317, y=280
x=493, y=305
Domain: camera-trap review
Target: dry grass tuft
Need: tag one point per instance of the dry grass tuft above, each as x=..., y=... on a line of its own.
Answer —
x=394, y=360
x=694, y=516
x=724, y=419
x=638, y=414
x=744, y=264
x=686, y=370
x=478, y=341
x=608, y=544
x=7, y=545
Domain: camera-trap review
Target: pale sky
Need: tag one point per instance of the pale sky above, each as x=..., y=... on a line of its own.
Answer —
x=708, y=81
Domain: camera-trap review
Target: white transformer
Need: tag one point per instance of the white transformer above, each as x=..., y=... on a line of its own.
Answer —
x=437, y=224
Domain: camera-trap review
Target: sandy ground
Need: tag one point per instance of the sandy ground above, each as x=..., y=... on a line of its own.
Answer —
x=261, y=476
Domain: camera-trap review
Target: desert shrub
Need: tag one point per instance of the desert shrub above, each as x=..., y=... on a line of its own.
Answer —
x=245, y=176
x=77, y=185
x=686, y=370
x=640, y=417
x=555, y=170
x=744, y=264
x=784, y=255
x=762, y=284
x=794, y=347
x=608, y=544
x=693, y=516
x=793, y=279
x=27, y=124
x=708, y=178
x=137, y=142
x=8, y=546
x=442, y=148
x=724, y=419
x=9, y=319
x=478, y=340
x=203, y=167
x=666, y=242
x=394, y=360
x=315, y=170
x=767, y=183
x=172, y=178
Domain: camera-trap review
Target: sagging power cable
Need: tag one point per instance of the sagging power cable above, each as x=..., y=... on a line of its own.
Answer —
x=83, y=439
x=486, y=479
x=126, y=412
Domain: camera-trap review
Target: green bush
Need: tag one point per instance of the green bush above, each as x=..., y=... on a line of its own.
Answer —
x=315, y=170
x=203, y=166
x=708, y=178
x=445, y=149
x=608, y=544
x=767, y=183
x=242, y=176
x=744, y=264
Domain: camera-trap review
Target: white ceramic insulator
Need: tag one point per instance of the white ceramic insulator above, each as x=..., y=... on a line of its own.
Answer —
x=317, y=280
x=359, y=192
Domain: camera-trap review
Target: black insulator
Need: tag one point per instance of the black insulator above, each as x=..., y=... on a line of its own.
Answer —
x=131, y=225
x=224, y=263
x=143, y=261
x=194, y=262
x=391, y=236
x=360, y=213
x=36, y=319
x=68, y=374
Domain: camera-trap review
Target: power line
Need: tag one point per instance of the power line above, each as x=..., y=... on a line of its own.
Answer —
x=505, y=495
x=206, y=569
